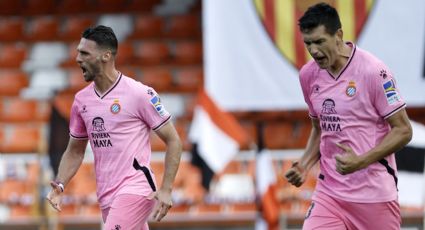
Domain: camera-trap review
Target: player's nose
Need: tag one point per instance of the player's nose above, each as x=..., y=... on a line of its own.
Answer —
x=313, y=51
x=78, y=59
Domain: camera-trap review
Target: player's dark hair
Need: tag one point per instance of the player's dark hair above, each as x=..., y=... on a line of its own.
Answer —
x=104, y=37
x=320, y=14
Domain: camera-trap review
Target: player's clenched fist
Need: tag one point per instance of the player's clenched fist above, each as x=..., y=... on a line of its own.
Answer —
x=54, y=196
x=295, y=175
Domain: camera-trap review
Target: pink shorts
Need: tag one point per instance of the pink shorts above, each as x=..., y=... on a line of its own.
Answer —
x=329, y=213
x=128, y=212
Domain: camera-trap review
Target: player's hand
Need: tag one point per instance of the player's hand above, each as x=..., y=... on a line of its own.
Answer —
x=347, y=162
x=296, y=175
x=163, y=204
x=55, y=196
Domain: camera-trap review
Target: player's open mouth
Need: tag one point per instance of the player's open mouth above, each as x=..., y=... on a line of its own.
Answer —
x=83, y=69
x=319, y=59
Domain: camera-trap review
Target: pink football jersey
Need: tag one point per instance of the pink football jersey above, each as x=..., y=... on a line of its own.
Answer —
x=352, y=109
x=118, y=125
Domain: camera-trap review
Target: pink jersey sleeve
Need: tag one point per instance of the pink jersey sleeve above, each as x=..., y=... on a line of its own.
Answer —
x=387, y=99
x=77, y=128
x=305, y=77
x=151, y=109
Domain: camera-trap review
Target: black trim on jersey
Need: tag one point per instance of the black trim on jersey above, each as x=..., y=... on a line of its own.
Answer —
x=346, y=66
x=107, y=92
x=147, y=173
x=162, y=123
x=394, y=111
x=389, y=170
x=85, y=137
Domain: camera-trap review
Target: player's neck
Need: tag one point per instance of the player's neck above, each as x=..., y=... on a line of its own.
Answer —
x=342, y=58
x=105, y=81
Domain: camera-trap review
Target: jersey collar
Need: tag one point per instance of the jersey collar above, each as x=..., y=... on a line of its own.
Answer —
x=110, y=89
x=353, y=51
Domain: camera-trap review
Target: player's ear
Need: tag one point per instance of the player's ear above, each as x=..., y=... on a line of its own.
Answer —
x=339, y=35
x=106, y=56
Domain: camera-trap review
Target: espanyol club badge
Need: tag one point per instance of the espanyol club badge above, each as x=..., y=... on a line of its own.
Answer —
x=351, y=89
x=115, y=107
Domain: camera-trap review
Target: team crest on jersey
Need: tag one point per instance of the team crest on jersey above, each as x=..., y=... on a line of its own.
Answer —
x=115, y=107
x=351, y=89
x=391, y=92
x=156, y=102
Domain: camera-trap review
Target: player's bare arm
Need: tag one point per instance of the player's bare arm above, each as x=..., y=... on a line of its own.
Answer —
x=399, y=136
x=172, y=160
x=70, y=163
x=297, y=173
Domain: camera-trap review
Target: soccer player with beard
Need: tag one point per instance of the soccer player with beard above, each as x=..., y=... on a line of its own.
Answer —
x=359, y=121
x=116, y=115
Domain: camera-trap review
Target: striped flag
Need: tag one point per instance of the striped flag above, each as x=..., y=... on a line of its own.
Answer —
x=280, y=19
x=217, y=136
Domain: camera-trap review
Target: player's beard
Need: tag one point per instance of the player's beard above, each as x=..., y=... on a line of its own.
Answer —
x=90, y=72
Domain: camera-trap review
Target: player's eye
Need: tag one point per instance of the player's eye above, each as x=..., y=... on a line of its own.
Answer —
x=319, y=42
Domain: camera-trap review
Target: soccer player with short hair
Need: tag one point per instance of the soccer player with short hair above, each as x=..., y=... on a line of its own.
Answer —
x=116, y=115
x=359, y=121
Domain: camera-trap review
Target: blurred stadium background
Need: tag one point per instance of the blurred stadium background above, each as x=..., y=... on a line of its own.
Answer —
x=163, y=43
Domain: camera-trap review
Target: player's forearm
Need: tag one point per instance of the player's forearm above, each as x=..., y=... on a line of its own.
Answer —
x=69, y=165
x=396, y=139
x=312, y=150
x=399, y=136
x=172, y=161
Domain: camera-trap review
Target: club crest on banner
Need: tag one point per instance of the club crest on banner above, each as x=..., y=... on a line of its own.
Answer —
x=280, y=20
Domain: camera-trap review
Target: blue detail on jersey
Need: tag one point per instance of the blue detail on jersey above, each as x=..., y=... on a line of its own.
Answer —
x=389, y=88
x=154, y=100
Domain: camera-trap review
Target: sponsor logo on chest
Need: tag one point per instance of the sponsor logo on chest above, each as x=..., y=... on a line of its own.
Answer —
x=329, y=119
x=99, y=135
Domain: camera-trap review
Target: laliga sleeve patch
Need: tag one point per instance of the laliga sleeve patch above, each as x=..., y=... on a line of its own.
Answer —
x=391, y=92
x=156, y=102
